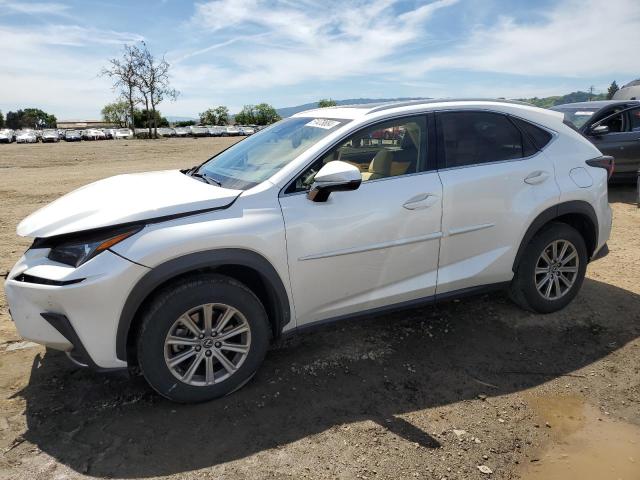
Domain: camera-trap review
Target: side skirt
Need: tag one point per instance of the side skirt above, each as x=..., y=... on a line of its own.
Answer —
x=398, y=307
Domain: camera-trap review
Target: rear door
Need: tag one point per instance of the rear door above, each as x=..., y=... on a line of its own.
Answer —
x=495, y=181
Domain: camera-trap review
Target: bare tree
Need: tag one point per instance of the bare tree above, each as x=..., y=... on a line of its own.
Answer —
x=152, y=80
x=124, y=73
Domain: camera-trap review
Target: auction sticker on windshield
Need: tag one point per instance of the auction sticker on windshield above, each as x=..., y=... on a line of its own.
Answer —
x=322, y=123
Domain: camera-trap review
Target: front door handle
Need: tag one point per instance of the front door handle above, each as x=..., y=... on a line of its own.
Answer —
x=423, y=200
x=536, y=177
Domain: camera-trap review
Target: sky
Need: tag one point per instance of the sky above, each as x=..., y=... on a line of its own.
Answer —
x=289, y=52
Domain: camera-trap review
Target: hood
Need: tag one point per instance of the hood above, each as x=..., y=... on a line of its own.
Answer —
x=124, y=199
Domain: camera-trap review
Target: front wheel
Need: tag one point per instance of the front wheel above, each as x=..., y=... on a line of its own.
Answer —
x=551, y=270
x=202, y=338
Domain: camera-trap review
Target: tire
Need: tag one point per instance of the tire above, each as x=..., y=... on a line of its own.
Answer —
x=223, y=296
x=527, y=289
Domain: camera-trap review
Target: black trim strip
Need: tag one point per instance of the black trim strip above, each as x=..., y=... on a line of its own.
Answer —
x=62, y=324
x=26, y=278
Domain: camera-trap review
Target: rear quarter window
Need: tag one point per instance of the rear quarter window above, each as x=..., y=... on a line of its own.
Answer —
x=538, y=136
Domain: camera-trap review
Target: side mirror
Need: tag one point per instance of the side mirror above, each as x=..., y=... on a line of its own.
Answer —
x=599, y=130
x=335, y=176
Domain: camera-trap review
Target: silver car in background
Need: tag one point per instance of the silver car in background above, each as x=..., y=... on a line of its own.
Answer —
x=231, y=131
x=26, y=136
x=50, y=136
x=199, y=131
x=6, y=135
x=182, y=132
x=166, y=132
x=72, y=136
x=123, y=134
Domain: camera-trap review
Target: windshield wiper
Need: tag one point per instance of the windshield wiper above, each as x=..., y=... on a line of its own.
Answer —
x=206, y=178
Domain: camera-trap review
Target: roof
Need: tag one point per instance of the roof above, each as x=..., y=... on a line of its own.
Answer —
x=633, y=83
x=352, y=112
x=597, y=104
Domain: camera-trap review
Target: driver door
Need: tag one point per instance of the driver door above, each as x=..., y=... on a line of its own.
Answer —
x=374, y=246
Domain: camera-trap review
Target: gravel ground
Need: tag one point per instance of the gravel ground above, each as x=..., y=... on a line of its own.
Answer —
x=454, y=391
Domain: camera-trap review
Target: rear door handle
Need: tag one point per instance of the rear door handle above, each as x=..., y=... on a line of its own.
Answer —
x=536, y=177
x=423, y=200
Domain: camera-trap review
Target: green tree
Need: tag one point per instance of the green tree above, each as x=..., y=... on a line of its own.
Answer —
x=222, y=115
x=208, y=117
x=30, y=118
x=145, y=119
x=1, y=120
x=185, y=123
x=117, y=113
x=265, y=114
x=326, y=102
x=611, y=91
x=246, y=116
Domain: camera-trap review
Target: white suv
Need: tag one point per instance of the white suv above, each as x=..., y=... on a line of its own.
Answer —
x=329, y=214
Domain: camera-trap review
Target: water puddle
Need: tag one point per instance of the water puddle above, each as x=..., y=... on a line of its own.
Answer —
x=586, y=444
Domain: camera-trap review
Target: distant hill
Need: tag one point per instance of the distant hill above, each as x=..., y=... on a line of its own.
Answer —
x=288, y=111
x=547, y=102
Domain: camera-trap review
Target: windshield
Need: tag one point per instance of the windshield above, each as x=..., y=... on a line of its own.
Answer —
x=260, y=156
x=577, y=116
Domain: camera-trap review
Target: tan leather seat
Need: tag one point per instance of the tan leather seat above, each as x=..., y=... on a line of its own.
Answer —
x=380, y=166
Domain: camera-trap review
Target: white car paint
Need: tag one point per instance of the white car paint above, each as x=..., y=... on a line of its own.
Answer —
x=393, y=240
x=124, y=199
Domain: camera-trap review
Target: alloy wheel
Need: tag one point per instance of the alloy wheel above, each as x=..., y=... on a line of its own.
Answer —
x=556, y=269
x=207, y=344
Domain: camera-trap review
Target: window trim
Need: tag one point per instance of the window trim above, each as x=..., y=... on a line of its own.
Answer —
x=441, y=162
x=430, y=165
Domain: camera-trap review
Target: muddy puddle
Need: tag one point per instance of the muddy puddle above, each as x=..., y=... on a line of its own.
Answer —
x=586, y=444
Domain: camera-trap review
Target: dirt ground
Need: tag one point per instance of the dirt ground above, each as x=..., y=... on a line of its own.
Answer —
x=453, y=391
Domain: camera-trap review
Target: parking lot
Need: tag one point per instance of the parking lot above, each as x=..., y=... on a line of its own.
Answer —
x=426, y=393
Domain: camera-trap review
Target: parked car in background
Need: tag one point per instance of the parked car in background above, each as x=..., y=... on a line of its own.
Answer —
x=614, y=127
x=123, y=134
x=26, y=136
x=72, y=136
x=7, y=135
x=93, y=134
x=246, y=131
x=109, y=133
x=166, y=132
x=216, y=131
x=187, y=275
x=50, y=136
x=231, y=131
x=182, y=131
x=199, y=131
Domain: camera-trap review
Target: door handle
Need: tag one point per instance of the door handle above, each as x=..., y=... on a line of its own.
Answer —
x=423, y=200
x=536, y=177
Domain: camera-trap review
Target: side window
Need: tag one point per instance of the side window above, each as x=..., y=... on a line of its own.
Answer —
x=539, y=136
x=616, y=123
x=634, y=120
x=389, y=149
x=471, y=138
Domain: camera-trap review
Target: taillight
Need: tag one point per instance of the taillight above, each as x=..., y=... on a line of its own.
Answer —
x=608, y=163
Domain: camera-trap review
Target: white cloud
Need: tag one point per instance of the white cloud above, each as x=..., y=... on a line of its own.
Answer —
x=51, y=68
x=32, y=8
x=576, y=38
x=301, y=41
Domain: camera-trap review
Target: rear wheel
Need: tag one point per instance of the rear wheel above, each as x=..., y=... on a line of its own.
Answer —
x=551, y=270
x=202, y=338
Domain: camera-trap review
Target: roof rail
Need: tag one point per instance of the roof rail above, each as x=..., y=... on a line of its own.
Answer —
x=409, y=103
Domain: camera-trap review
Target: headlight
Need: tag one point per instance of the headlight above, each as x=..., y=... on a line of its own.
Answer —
x=80, y=250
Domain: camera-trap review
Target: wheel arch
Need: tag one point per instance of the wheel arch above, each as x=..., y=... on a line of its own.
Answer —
x=577, y=213
x=246, y=266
